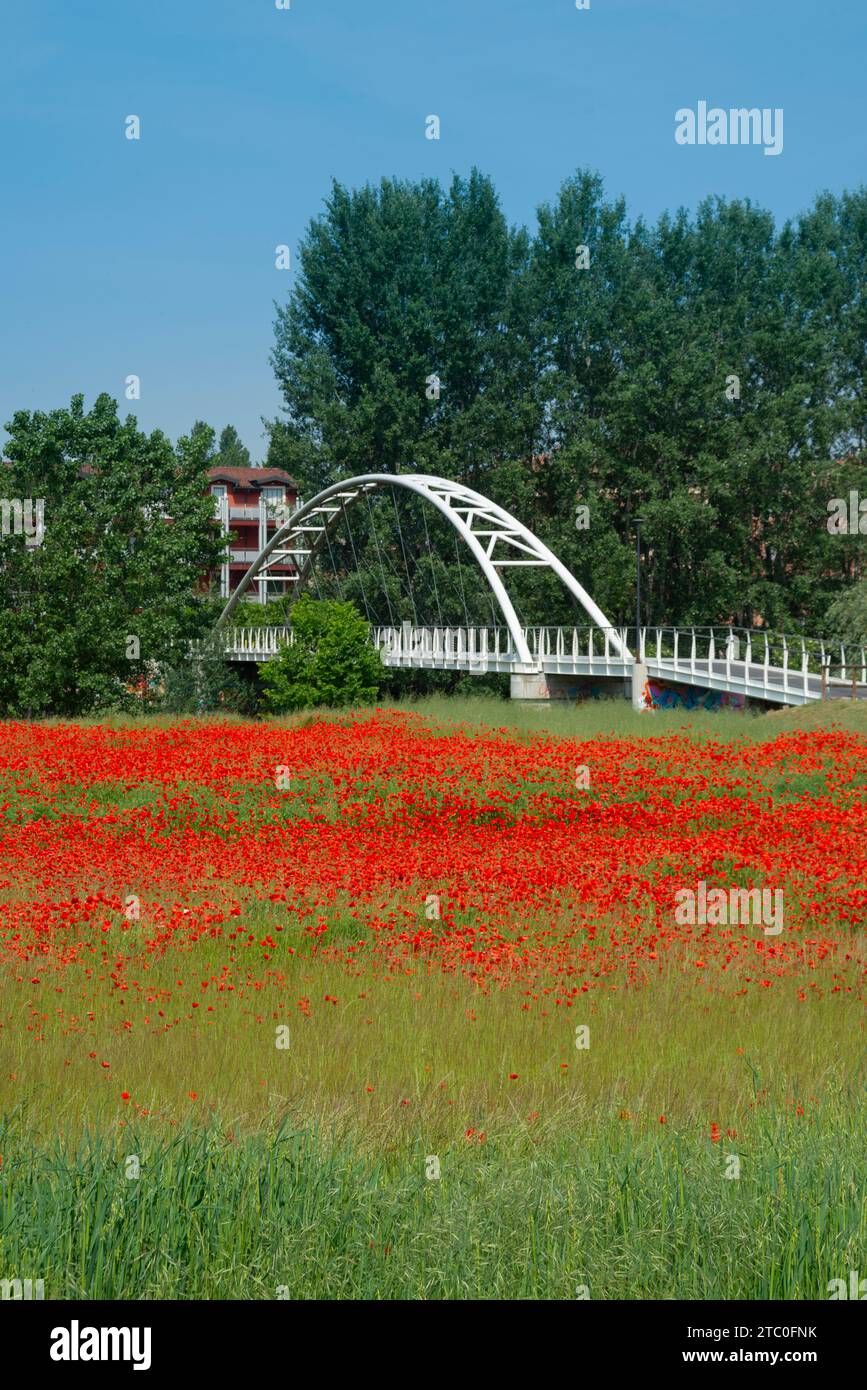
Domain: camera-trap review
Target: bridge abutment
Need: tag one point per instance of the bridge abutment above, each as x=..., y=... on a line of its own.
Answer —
x=530, y=687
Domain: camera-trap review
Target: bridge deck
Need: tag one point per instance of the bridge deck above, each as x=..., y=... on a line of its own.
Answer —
x=776, y=668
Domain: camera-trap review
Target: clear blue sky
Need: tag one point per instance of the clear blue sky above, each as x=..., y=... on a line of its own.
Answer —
x=157, y=257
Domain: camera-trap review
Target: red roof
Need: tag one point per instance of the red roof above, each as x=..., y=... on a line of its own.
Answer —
x=252, y=477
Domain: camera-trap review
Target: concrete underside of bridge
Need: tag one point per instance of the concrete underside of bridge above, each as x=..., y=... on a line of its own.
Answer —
x=543, y=685
x=548, y=686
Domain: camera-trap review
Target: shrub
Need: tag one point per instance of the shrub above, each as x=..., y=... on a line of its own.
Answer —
x=205, y=687
x=330, y=662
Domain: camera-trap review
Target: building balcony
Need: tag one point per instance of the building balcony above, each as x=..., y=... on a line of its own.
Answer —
x=227, y=512
x=245, y=513
x=245, y=557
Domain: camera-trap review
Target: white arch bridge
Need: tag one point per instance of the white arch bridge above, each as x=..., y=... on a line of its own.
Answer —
x=542, y=661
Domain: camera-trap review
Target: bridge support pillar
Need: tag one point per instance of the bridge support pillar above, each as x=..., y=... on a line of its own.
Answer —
x=639, y=681
x=529, y=687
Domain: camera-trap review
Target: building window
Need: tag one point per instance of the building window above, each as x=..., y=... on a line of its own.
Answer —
x=218, y=492
x=273, y=497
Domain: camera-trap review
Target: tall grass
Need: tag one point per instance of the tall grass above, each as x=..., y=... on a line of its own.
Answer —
x=590, y=719
x=303, y=1173
x=292, y=1213
x=586, y=719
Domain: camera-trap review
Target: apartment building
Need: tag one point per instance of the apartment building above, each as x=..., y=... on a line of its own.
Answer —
x=250, y=503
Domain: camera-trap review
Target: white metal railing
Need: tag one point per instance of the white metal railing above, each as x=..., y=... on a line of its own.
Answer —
x=597, y=648
x=257, y=643
x=451, y=646
x=779, y=663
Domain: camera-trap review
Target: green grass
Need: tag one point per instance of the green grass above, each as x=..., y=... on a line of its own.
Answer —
x=584, y=720
x=302, y=1173
x=286, y=1171
x=590, y=719
x=293, y=1213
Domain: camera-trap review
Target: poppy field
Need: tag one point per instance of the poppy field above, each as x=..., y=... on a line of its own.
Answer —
x=384, y=1005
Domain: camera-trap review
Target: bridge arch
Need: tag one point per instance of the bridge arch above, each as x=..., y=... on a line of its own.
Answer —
x=494, y=538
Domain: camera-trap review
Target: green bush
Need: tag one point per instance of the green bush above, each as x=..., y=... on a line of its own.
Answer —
x=330, y=662
x=205, y=687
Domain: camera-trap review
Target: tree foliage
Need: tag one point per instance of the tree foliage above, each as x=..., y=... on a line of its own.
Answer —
x=111, y=590
x=204, y=686
x=232, y=453
x=705, y=372
x=847, y=616
x=330, y=662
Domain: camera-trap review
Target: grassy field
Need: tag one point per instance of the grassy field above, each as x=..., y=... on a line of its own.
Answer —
x=427, y=1125
x=587, y=719
x=591, y=719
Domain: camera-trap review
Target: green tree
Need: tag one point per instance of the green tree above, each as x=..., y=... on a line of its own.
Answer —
x=330, y=662
x=203, y=430
x=288, y=449
x=693, y=375
x=403, y=343
x=404, y=346
x=206, y=686
x=847, y=616
x=706, y=372
x=231, y=452
x=114, y=587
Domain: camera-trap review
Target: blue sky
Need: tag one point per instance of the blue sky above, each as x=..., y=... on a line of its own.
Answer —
x=156, y=257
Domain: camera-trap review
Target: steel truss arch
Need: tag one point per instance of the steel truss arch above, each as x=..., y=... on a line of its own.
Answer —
x=495, y=539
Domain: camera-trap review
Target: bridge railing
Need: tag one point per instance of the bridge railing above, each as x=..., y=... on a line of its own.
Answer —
x=778, y=661
x=494, y=646
x=255, y=642
x=782, y=663
x=584, y=645
x=472, y=646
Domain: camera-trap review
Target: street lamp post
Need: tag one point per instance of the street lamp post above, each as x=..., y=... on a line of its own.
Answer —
x=639, y=670
x=639, y=522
